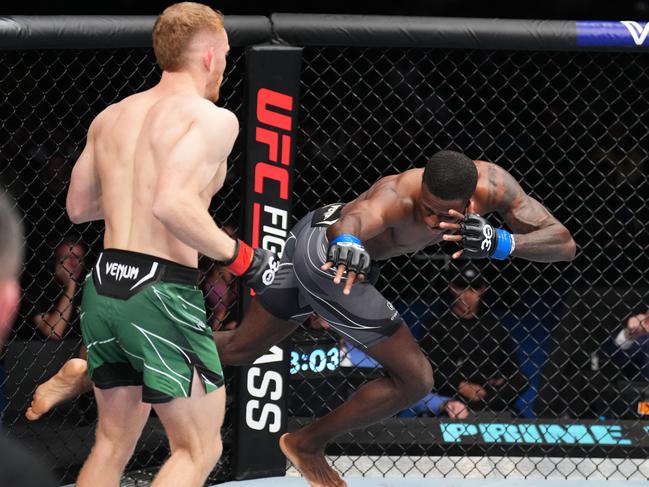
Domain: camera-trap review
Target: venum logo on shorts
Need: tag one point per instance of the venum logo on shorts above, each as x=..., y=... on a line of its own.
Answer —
x=121, y=271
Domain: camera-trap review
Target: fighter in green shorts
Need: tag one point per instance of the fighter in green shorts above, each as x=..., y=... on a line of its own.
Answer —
x=150, y=167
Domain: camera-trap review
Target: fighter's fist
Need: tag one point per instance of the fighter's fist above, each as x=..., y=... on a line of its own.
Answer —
x=347, y=254
x=348, y=251
x=256, y=266
x=481, y=239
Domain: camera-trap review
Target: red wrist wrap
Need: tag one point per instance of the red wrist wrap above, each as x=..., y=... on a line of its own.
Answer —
x=242, y=260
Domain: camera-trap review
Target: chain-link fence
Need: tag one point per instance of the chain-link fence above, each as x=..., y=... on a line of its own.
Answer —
x=553, y=363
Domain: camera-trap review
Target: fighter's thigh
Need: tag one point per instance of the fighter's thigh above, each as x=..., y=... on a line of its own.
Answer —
x=260, y=329
x=364, y=317
x=163, y=330
x=400, y=352
x=121, y=414
x=193, y=422
x=100, y=345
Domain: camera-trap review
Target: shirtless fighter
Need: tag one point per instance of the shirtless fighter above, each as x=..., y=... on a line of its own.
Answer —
x=399, y=214
x=150, y=167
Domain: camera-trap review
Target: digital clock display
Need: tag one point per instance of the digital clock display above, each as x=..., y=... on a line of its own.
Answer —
x=315, y=360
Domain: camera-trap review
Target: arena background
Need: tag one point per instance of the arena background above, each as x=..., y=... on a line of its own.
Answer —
x=567, y=120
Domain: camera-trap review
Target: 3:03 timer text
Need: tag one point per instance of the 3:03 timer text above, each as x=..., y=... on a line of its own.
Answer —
x=317, y=360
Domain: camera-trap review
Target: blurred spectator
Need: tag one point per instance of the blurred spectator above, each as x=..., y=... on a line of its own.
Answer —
x=221, y=290
x=436, y=405
x=18, y=468
x=472, y=353
x=56, y=307
x=637, y=326
x=622, y=369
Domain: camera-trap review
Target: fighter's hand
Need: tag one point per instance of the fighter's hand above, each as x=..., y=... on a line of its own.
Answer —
x=347, y=254
x=453, y=230
x=479, y=238
x=257, y=266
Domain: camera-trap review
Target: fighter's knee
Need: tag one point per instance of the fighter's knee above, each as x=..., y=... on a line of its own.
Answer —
x=420, y=382
x=212, y=453
x=427, y=378
x=112, y=447
x=206, y=457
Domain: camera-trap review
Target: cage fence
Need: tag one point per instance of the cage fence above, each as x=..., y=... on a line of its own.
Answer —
x=540, y=373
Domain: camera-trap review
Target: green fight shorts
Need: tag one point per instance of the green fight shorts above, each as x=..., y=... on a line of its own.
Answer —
x=143, y=322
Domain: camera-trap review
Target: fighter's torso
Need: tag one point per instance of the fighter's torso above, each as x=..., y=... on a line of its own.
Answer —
x=130, y=145
x=401, y=240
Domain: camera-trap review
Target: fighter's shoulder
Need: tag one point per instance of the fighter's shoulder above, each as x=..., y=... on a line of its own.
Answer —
x=103, y=118
x=496, y=188
x=395, y=192
x=207, y=112
x=486, y=168
x=408, y=183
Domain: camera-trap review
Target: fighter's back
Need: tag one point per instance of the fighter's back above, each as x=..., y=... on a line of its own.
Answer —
x=131, y=141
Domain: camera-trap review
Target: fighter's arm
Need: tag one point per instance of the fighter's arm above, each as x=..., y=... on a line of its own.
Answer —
x=185, y=173
x=362, y=219
x=369, y=217
x=537, y=234
x=83, y=202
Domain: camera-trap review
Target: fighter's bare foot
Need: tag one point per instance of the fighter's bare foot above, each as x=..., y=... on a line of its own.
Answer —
x=312, y=466
x=68, y=383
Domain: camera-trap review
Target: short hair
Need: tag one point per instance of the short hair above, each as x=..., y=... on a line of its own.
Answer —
x=450, y=175
x=176, y=26
x=11, y=239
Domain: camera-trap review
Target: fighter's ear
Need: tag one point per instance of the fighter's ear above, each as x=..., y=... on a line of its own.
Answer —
x=208, y=55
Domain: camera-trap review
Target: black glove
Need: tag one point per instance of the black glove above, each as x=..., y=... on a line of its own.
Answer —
x=256, y=266
x=347, y=250
x=481, y=239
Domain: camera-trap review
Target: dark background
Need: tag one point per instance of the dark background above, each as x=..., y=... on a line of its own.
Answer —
x=549, y=9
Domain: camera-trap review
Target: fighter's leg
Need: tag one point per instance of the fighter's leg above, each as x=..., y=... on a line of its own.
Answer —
x=122, y=415
x=367, y=318
x=409, y=377
x=259, y=330
x=193, y=426
x=69, y=382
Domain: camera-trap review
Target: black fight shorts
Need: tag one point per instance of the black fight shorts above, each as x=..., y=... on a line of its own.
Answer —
x=364, y=317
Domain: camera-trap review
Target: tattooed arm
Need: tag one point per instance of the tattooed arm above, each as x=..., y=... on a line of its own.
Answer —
x=538, y=235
